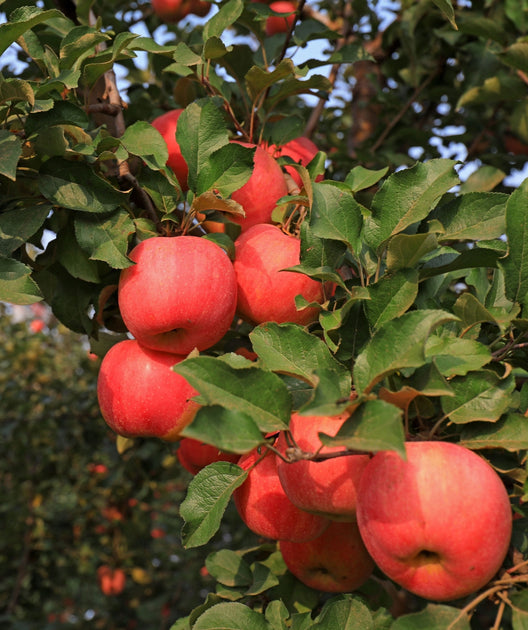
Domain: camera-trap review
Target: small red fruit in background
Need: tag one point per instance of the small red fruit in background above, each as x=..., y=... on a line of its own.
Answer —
x=266, y=293
x=111, y=581
x=37, y=325
x=176, y=10
x=280, y=24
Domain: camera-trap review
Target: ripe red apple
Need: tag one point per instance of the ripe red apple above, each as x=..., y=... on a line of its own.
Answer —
x=194, y=455
x=259, y=195
x=180, y=295
x=176, y=10
x=140, y=395
x=277, y=24
x=329, y=487
x=167, y=124
x=336, y=561
x=265, y=292
x=438, y=524
x=111, y=581
x=302, y=150
x=264, y=506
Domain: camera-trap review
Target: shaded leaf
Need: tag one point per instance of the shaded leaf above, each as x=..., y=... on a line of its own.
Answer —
x=509, y=433
x=391, y=296
x=434, y=617
x=16, y=284
x=456, y=357
x=345, y=613
x=229, y=568
x=143, y=140
x=106, y=238
x=18, y=226
x=23, y=19
x=231, y=616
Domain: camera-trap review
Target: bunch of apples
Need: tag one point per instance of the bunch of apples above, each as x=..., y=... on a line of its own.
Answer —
x=437, y=523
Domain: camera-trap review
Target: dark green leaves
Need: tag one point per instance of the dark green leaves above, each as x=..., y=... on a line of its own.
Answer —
x=10, y=150
x=16, y=285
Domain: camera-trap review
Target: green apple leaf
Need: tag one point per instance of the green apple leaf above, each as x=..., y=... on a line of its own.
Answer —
x=231, y=616
x=229, y=568
x=456, y=357
x=263, y=579
x=407, y=197
x=74, y=185
x=18, y=226
x=375, y=425
x=226, y=170
x=16, y=284
x=105, y=237
x=207, y=497
x=446, y=8
x=224, y=19
x=10, y=150
x=336, y=215
x=434, y=617
x=515, y=265
x=227, y=429
x=391, y=296
x=509, y=433
x=397, y=344
x=479, y=396
x=24, y=19
x=143, y=140
x=246, y=389
x=405, y=251
x=346, y=612
x=361, y=178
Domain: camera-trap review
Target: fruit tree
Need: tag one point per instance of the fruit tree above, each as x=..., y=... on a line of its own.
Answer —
x=295, y=235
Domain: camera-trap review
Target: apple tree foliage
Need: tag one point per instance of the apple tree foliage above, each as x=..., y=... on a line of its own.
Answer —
x=420, y=111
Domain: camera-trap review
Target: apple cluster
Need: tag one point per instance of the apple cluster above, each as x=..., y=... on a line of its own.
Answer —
x=437, y=522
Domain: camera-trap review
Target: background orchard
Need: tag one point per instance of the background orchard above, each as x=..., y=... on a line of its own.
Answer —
x=419, y=110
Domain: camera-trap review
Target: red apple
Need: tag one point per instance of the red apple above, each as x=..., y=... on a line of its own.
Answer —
x=167, y=124
x=140, y=395
x=328, y=487
x=259, y=195
x=176, y=10
x=336, y=561
x=180, y=295
x=438, y=524
x=194, y=455
x=264, y=506
x=280, y=24
x=302, y=150
x=111, y=581
x=265, y=292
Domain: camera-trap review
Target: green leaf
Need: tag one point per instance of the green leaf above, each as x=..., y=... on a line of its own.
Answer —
x=263, y=579
x=516, y=56
x=10, y=150
x=331, y=394
x=229, y=568
x=456, y=357
x=224, y=19
x=106, y=237
x=62, y=113
x=104, y=61
x=76, y=186
x=227, y=429
x=484, y=179
x=231, y=616
x=16, y=284
x=407, y=197
x=336, y=215
x=471, y=311
x=226, y=169
x=258, y=79
x=22, y=20
x=434, y=617
x=360, y=178
x=405, y=251
x=18, y=226
x=290, y=349
x=346, y=613
x=473, y=216
x=207, y=497
x=201, y=131
x=79, y=44
x=515, y=264
x=16, y=90
x=143, y=140
x=478, y=396
x=249, y=390
x=397, y=344
x=277, y=615
x=391, y=296
x=446, y=8
x=375, y=425
x=509, y=433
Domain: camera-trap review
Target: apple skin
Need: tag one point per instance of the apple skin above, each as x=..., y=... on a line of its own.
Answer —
x=167, y=124
x=438, y=524
x=276, y=24
x=181, y=294
x=328, y=488
x=194, y=455
x=176, y=10
x=141, y=396
x=302, y=150
x=265, y=292
x=259, y=195
x=337, y=561
x=264, y=506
